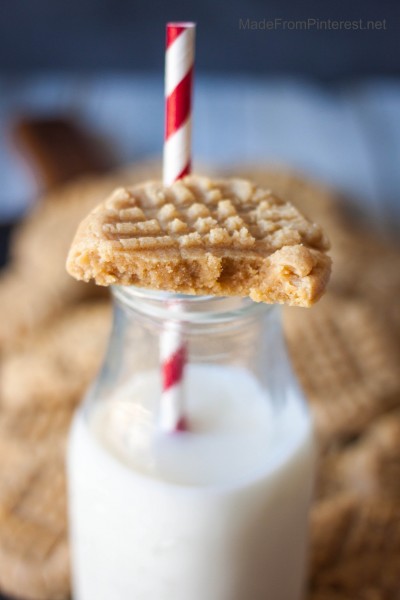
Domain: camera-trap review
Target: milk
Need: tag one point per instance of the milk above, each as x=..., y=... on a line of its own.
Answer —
x=219, y=513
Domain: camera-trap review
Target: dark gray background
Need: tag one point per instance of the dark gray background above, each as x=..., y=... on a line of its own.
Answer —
x=125, y=35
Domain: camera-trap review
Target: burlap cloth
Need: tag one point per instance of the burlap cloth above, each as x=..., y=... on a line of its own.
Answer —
x=345, y=350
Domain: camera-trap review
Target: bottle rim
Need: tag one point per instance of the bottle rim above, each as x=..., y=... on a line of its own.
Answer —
x=186, y=308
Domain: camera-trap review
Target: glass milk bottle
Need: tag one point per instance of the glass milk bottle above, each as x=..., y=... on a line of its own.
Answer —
x=215, y=513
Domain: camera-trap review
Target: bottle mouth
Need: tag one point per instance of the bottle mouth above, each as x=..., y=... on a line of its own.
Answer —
x=185, y=308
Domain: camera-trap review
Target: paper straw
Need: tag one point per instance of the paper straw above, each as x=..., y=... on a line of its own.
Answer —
x=179, y=64
x=173, y=351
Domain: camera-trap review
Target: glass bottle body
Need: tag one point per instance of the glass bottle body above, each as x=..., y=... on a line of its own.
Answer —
x=218, y=512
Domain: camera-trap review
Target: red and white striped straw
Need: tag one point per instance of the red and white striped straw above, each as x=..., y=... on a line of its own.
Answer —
x=173, y=354
x=179, y=66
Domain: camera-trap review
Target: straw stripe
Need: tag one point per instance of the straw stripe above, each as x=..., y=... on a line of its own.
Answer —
x=179, y=105
x=177, y=154
x=179, y=60
x=173, y=367
x=174, y=30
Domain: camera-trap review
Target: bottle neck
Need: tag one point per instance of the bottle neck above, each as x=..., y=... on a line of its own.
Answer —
x=234, y=337
x=184, y=309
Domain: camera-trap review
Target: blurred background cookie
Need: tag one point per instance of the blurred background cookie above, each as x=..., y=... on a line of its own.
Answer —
x=33, y=536
x=346, y=359
x=360, y=546
x=368, y=466
x=35, y=285
x=55, y=366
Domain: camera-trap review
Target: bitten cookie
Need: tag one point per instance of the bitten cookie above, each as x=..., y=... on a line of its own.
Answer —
x=226, y=238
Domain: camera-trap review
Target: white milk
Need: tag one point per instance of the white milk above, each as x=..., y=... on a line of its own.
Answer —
x=218, y=514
